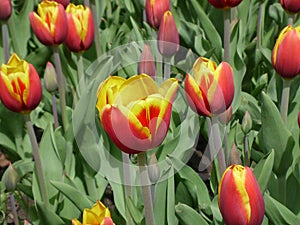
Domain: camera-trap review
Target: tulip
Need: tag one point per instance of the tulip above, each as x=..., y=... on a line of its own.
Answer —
x=155, y=10
x=285, y=54
x=224, y=4
x=146, y=63
x=5, y=9
x=97, y=215
x=20, y=85
x=80, y=28
x=50, y=80
x=11, y=178
x=240, y=199
x=168, y=37
x=211, y=91
x=136, y=112
x=291, y=6
x=65, y=3
x=50, y=24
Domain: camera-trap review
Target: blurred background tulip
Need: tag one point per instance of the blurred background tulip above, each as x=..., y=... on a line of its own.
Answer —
x=211, y=90
x=50, y=23
x=65, y=3
x=20, y=85
x=146, y=64
x=286, y=52
x=80, y=28
x=136, y=112
x=155, y=10
x=223, y=4
x=292, y=6
x=5, y=9
x=240, y=199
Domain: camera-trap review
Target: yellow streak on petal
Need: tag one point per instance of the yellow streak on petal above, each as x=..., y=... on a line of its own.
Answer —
x=168, y=88
x=203, y=68
x=280, y=39
x=47, y=14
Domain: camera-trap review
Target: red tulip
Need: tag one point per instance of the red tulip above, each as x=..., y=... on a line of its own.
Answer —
x=5, y=9
x=286, y=52
x=80, y=28
x=50, y=24
x=223, y=4
x=210, y=92
x=146, y=63
x=240, y=199
x=20, y=85
x=65, y=3
x=155, y=10
x=136, y=112
x=168, y=37
x=292, y=6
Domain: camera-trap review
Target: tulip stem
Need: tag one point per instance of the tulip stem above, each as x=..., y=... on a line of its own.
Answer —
x=259, y=25
x=291, y=20
x=96, y=27
x=13, y=208
x=285, y=100
x=246, y=149
x=61, y=86
x=167, y=68
x=12, y=31
x=80, y=74
x=37, y=160
x=5, y=41
x=54, y=111
x=227, y=31
x=87, y=3
x=146, y=191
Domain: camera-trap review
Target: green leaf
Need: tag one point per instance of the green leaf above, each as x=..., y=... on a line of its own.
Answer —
x=135, y=212
x=47, y=216
x=160, y=202
x=188, y=215
x=171, y=218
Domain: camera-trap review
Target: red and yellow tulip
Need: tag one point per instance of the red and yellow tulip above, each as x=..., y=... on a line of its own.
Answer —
x=240, y=199
x=223, y=4
x=211, y=90
x=5, y=9
x=97, y=215
x=50, y=24
x=155, y=10
x=292, y=6
x=136, y=112
x=20, y=85
x=286, y=52
x=80, y=28
x=168, y=37
x=146, y=63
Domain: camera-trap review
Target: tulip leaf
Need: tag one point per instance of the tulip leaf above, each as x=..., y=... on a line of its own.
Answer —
x=263, y=170
x=188, y=215
x=160, y=202
x=47, y=216
x=135, y=212
x=171, y=218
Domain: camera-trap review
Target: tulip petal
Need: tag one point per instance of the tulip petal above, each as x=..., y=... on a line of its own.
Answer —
x=61, y=26
x=76, y=222
x=169, y=88
x=32, y=96
x=89, y=217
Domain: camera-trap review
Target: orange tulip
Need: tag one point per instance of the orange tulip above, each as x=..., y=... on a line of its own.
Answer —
x=50, y=24
x=136, y=112
x=155, y=10
x=240, y=199
x=211, y=90
x=223, y=4
x=80, y=28
x=5, y=9
x=20, y=85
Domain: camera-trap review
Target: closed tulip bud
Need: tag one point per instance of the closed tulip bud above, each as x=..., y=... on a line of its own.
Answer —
x=11, y=178
x=153, y=169
x=286, y=53
x=155, y=10
x=50, y=78
x=224, y=4
x=240, y=199
x=210, y=92
x=136, y=112
x=80, y=28
x=5, y=9
x=20, y=85
x=50, y=24
x=146, y=63
x=291, y=6
x=65, y=3
x=246, y=123
x=168, y=37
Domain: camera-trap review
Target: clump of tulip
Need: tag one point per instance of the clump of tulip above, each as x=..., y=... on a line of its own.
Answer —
x=5, y=9
x=240, y=198
x=223, y=4
x=155, y=10
x=20, y=85
x=136, y=112
x=210, y=92
x=290, y=6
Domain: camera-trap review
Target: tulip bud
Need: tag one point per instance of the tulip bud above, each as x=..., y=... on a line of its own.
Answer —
x=146, y=63
x=155, y=10
x=240, y=199
x=80, y=28
x=168, y=37
x=20, y=85
x=5, y=9
x=285, y=54
x=246, y=123
x=223, y=4
x=65, y=3
x=50, y=24
x=290, y=6
x=50, y=81
x=11, y=178
x=153, y=169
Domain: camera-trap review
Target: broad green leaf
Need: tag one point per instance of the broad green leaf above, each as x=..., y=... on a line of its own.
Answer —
x=119, y=197
x=47, y=216
x=136, y=213
x=160, y=202
x=171, y=218
x=188, y=215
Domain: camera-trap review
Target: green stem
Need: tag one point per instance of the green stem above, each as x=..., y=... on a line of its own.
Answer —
x=159, y=70
x=226, y=150
x=290, y=20
x=54, y=111
x=80, y=74
x=227, y=32
x=259, y=25
x=61, y=87
x=246, y=149
x=12, y=31
x=37, y=160
x=96, y=28
x=13, y=208
x=5, y=42
x=148, y=204
x=167, y=68
x=285, y=100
